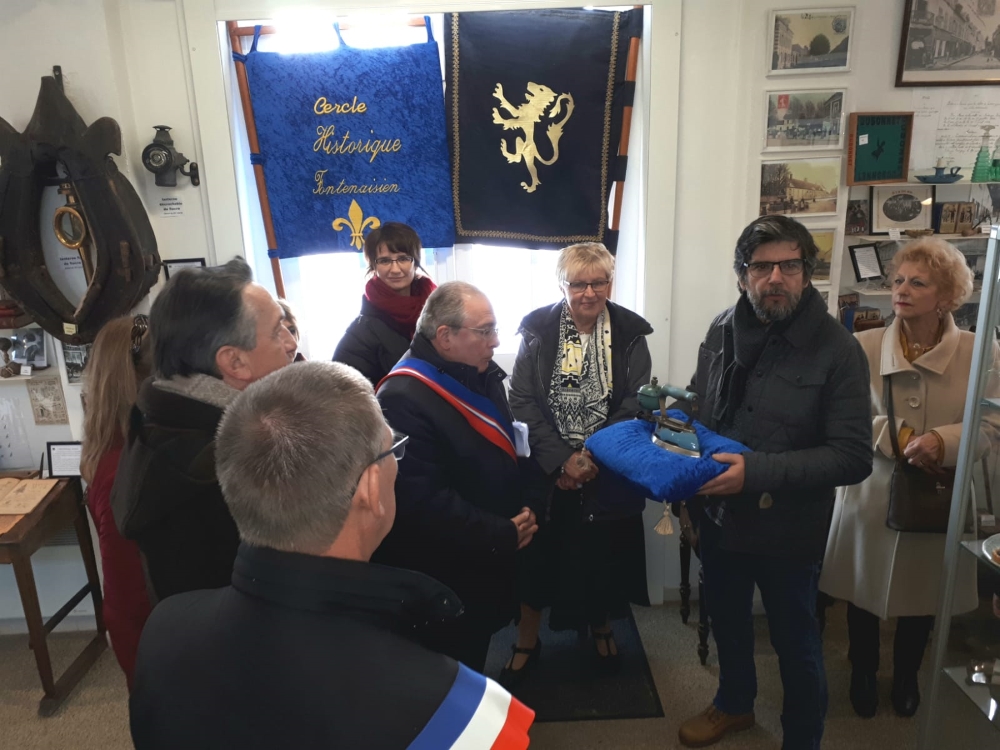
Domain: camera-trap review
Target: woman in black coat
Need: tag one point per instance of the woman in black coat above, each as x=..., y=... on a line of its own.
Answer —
x=580, y=364
x=393, y=299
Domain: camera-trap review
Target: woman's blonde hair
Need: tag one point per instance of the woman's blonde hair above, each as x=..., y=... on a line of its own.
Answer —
x=582, y=256
x=946, y=264
x=110, y=386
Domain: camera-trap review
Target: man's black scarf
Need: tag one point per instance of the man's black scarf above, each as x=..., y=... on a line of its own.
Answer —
x=750, y=336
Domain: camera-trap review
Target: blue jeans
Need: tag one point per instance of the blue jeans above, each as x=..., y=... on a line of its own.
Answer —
x=788, y=590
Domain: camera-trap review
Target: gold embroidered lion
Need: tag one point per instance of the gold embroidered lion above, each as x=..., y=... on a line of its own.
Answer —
x=525, y=117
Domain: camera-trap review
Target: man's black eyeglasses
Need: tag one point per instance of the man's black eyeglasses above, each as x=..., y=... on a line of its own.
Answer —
x=140, y=324
x=762, y=268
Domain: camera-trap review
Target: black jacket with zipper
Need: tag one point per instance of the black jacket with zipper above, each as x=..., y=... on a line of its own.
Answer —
x=531, y=381
x=373, y=343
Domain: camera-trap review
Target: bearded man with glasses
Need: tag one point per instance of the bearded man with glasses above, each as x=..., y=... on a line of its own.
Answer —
x=780, y=375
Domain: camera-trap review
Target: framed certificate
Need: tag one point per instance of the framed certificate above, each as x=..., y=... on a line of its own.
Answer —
x=172, y=266
x=866, y=261
x=64, y=459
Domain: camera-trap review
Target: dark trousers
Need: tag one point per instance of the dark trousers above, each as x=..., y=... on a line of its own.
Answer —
x=912, y=634
x=788, y=590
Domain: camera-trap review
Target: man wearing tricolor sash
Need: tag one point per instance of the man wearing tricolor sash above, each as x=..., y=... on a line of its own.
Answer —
x=463, y=505
x=312, y=647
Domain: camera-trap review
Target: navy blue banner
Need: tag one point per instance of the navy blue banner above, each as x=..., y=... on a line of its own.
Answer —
x=350, y=139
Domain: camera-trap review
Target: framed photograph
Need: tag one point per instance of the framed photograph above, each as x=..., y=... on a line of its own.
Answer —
x=29, y=347
x=949, y=44
x=64, y=459
x=824, y=239
x=901, y=208
x=75, y=356
x=866, y=261
x=810, y=40
x=948, y=220
x=858, y=217
x=176, y=265
x=797, y=187
x=878, y=147
x=804, y=120
x=965, y=220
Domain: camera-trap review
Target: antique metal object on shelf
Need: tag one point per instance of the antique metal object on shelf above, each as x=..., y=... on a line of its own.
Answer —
x=671, y=434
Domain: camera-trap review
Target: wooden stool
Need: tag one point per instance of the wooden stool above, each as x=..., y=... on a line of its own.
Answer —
x=62, y=505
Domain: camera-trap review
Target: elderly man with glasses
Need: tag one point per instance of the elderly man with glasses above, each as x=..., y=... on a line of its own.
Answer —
x=780, y=375
x=463, y=508
x=311, y=646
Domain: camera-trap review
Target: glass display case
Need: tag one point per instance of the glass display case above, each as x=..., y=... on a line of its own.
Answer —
x=962, y=706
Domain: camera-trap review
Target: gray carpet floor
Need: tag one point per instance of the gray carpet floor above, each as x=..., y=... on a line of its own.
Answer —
x=95, y=716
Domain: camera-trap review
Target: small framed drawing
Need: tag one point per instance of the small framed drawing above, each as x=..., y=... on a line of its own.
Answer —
x=804, y=120
x=809, y=41
x=800, y=186
x=176, y=265
x=901, y=208
x=866, y=261
x=824, y=239
x=878, y=147
x=64, y=459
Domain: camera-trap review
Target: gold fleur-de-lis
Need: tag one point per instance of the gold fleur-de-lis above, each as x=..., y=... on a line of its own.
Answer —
x=357, y=223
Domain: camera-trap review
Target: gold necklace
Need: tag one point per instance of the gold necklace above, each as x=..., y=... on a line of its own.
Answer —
x=915, y=351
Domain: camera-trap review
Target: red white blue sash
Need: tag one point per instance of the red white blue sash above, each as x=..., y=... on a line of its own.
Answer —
x=476, y=714
x=481, y=413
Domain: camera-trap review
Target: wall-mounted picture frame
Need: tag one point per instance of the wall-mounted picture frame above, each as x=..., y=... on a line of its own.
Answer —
x=878, y=147
x=809, y=41
x=949, y=44
x=901, y=207
x=866, y=261
x=806, y=120
x=859, y=218
x=172, y=266
x=64, y=458
x=825, y=239
x=795, y=187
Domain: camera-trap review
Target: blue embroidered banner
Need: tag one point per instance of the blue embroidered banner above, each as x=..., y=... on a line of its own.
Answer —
x=350, y=139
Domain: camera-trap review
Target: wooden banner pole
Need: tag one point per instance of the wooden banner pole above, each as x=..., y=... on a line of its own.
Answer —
x=630, y=71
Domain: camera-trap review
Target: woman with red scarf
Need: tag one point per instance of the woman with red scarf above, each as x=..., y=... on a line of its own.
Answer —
x=393, y=300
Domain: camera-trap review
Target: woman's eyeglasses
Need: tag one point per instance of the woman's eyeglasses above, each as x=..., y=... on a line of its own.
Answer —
x=403, y=261
x=140, y=325
x=579, y=287
x=763, y=268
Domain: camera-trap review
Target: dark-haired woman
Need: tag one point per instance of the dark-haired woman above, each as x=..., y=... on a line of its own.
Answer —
x=393, y=299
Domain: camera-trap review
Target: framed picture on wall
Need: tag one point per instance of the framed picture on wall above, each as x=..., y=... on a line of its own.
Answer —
x=878, y=147
x=809, y=41
x=800, y=186
x=804, y=120
x=902, y=208
x=946, y=44
x=824, y=237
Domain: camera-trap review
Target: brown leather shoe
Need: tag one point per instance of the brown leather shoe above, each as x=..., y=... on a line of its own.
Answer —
x=711, y=725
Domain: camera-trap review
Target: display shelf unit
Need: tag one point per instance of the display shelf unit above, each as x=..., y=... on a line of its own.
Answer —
x=905, y=238
x=950, y=659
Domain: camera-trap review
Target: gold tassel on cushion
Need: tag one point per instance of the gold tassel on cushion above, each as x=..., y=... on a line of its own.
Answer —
x=665, y=526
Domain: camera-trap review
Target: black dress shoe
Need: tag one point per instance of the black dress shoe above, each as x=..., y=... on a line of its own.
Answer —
x=905, y=694
x=608, y=663
x=864, y=694
x=511, y=678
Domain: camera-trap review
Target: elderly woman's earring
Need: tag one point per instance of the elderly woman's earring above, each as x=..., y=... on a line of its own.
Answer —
x=940, y=313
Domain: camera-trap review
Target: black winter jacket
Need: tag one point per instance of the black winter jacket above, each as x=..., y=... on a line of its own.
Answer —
x=531, y=382
x=299, y=652
x=167, y=498
x=806, y=417
x=455, y=492
x=373, y=343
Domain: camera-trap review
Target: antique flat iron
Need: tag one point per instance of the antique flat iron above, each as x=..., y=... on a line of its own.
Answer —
x=671, y=434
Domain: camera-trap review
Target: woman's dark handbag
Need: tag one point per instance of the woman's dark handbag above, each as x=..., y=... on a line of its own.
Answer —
x=918, y=501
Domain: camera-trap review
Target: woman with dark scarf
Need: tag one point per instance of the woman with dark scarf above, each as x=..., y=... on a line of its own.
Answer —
x=393, y=300
x=580, y=364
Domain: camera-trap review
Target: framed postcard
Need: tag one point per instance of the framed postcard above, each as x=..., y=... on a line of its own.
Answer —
x=177, y=265
x=824, y=238
x=858, y=217
x=878, y=147
x=800, y=186
x=804, y=120
x=902, y=208
x=809, y=40
x=949, y=44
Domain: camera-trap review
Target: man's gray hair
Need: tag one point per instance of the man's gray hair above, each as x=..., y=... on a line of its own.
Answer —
x=446, y=307
x=290, y=451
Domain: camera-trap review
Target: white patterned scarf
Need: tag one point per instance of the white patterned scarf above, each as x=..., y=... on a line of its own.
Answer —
x=580, y=391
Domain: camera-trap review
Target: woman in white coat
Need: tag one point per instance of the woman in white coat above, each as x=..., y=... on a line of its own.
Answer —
x=884, y=573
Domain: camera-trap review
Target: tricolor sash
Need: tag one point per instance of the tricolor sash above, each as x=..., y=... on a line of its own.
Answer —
x=476, y=714
x=481, y=413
